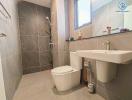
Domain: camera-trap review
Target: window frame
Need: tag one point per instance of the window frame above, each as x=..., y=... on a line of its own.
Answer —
x=76, y=26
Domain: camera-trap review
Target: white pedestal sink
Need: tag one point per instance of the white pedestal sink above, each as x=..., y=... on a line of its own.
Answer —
x=106, y=61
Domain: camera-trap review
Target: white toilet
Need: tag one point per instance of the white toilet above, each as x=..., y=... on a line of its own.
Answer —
x=68, y=77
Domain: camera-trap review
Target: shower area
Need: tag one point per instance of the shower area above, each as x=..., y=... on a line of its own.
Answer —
x=35, y=35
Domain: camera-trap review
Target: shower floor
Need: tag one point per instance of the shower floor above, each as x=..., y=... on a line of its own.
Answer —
x=39, y=86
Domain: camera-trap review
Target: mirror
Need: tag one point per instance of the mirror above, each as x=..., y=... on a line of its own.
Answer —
x=128, y=16
x=82, y=12
x=111, y=16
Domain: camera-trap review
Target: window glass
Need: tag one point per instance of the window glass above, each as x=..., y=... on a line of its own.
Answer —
x=83, y=12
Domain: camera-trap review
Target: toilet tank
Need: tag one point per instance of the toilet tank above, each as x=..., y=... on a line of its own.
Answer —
x=75, y=61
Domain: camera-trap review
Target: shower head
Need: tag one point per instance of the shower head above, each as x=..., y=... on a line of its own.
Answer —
x=47, y=18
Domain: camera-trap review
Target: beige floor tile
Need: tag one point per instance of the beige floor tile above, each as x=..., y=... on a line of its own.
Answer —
x=39, y=86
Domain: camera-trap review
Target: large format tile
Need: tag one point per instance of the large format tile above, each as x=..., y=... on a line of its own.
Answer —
x=30, y=59
x=42, y=23
x=39, y=86
x=29, y=43
x=32, y=69
x=43, y=11
x=26, y=10
x=46, y=67
x=45, y=58
x=28, y=26
x=44, y=43
x=34, y=36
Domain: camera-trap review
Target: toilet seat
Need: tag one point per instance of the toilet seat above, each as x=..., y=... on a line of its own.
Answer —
x=62, y=70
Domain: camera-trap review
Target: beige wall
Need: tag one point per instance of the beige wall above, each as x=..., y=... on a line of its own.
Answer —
x=120, y=88
x=61, y=23
x=2, y=87
x=60, y=49
x=54, y=33
x=10, y=49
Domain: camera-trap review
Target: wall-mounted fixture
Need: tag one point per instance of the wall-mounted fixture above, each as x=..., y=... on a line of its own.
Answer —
x=82, y=12
x=2, y=35
x=106, y=61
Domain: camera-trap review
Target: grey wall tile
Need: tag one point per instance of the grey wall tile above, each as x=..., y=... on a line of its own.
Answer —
x=29, y=43
x=27, y=10
x=43, y=11
x=34, y=39
x=28, y=26
x=43, y=25
x=31, y=70
x=46, y=67
x=30, y=59
x=44, y=43
x=45, y=59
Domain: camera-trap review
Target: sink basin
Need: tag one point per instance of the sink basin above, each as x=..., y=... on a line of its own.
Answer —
x=106, y=61
x=113, y=56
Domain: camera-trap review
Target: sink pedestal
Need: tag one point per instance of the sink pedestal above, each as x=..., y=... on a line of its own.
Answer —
x=106, y=71
x=106, y=61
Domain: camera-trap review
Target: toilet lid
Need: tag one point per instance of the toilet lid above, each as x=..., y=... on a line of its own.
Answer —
x=62, y=69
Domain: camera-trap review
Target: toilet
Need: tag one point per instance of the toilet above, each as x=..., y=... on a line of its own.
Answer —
x=68, y=77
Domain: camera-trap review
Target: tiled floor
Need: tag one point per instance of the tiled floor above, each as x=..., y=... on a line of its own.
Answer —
x=39, y=86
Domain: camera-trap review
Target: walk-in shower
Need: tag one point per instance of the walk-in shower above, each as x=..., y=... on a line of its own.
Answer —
x=35, y=33
x=51, y=44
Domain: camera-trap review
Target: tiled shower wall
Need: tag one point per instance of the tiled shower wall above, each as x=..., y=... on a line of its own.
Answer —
x=34, y=29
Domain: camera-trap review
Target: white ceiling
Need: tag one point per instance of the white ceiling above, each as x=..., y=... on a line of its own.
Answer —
x=45, y=3
x=96, y=4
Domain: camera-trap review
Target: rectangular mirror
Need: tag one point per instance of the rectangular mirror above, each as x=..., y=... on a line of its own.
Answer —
x=82, y=12
x=128, y=16
x=111, y=16
x=107, y=16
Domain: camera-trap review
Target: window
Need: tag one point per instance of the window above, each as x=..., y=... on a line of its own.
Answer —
x=82, y=12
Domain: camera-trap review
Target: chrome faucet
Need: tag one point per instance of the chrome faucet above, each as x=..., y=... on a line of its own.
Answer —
x=108, y=45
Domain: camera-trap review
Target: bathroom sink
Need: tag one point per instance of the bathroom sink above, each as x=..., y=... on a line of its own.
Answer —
x=106, y=61
x=113, y=56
